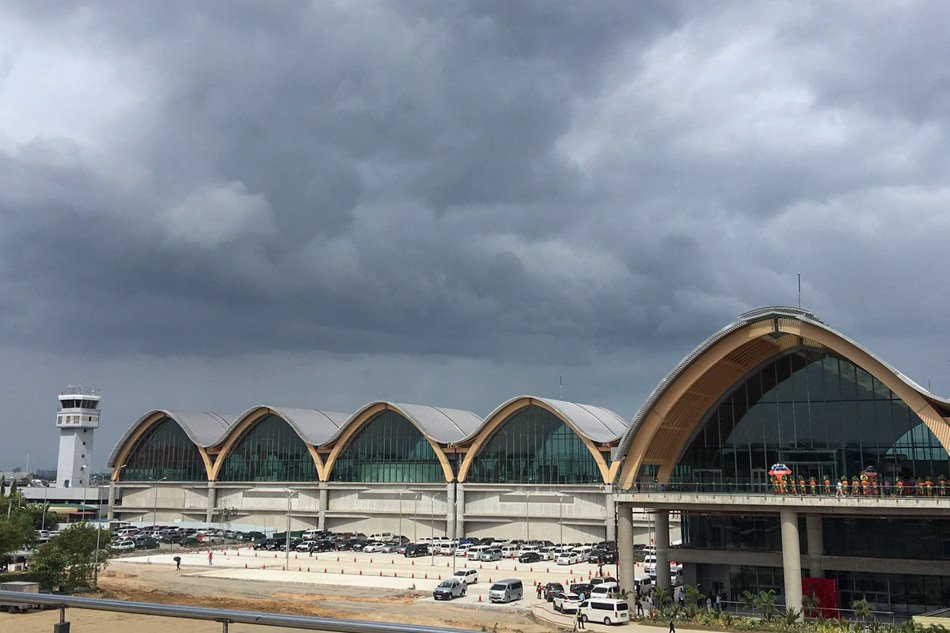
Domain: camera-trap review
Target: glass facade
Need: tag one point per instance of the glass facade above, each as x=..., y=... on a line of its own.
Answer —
x=388, y=449
x=164, y=452
x=901, y=594
x=819, y=414
x=753, y=533
x=534, y=447
x=927, y=539
x=269, y=451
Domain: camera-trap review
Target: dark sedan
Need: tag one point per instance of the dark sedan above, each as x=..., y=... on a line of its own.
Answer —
x=529, y=557
x=551, y=589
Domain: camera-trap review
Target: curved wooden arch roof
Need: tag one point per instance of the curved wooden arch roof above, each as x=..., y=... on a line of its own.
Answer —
x=203, y=428
x=593, y=425
x=669, y=417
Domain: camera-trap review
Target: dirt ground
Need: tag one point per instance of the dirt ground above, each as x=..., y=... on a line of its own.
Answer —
x=144, y=583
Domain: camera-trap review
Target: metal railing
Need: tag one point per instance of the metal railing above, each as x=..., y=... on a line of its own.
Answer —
x=890, y=491
x=224, y=616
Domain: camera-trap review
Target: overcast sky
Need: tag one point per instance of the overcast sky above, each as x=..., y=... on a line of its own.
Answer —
x=210, y=206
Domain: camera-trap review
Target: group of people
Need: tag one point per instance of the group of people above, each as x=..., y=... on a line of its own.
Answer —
x=863, y=485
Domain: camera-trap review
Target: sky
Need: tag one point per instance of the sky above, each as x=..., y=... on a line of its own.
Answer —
x=217, y=205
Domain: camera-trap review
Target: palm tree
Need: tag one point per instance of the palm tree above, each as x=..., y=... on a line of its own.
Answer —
x=662, y=599
x=766, y=601
x=863, y=609
x=810, y=606
x=749, y=600
x=692, y=596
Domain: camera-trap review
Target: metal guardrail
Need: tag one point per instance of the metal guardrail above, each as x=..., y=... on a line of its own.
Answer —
x=224, y=616
x=890, y=491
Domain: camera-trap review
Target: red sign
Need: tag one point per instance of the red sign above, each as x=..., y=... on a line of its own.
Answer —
x=826, y=591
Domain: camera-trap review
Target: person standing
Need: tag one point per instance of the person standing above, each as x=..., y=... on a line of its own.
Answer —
x=210, y=557
x=839, y=489
x=639, y=607
x=540, y=590
x=579, y=617
x=177, y=560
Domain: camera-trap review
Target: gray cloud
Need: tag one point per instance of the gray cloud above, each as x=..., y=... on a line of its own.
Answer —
x=210, y=205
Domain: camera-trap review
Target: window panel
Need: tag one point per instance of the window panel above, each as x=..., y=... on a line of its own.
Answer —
x=535, y=446
x=165, y=452
x=388, y=449
x=269, y=451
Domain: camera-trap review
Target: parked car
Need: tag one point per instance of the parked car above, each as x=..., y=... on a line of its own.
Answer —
x=529, y=557
x=475, y=552
x=490, y=555
x=509, y=551
x=124, y=545
x=414, y=550
x=604, y=590
x=468, y=576
x=448, y=589
x=567, y=558
x=566, y=602
x=372, y=547
x=305, y=546
x=552, y=589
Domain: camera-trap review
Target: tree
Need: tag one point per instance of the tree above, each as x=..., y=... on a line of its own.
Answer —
x=863, y=609
x=749, y=600
x=811, y=606
x=693, y=597
x=765, y=600
x=662, y=599
x=3, y=486
x=13, y=488
x=16, y=532
x=69, y=558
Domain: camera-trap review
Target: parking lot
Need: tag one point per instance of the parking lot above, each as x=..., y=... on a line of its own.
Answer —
x=373, y=570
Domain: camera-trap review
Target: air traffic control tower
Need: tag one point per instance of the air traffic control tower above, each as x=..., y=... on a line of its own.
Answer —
x=77, y=421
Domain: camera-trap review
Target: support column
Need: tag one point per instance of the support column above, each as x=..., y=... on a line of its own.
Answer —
x=324, y=506
x=662, y=520
x=611, y=513
x=460, y=510
x=625, y=557
x=815, y=540
x=791, y=559
x=212, y=500
x=111, y=509
x=450, y=510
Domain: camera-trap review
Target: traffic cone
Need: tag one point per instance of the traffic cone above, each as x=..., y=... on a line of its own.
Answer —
x=370, y=560
x=426, y=577
x=263, y=566
x=479, y=598
x=308, y=570
x=245, y=565
x=380, y=574
x=361, y=572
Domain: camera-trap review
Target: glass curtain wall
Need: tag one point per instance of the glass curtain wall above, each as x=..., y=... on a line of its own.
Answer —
x=269, y=451
x=388, y=449
x=165, y=451
x=534, y=447
x=822, y=416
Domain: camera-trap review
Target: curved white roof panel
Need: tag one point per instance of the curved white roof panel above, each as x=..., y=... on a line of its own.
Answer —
x=444, y=426
x=313, y=426
x=594, y=423
x=203, y=428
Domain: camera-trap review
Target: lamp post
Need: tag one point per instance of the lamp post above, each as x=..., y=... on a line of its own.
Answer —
x=560, y=515
x=45, y=504
x=415, y=516
x=290, y=496
x=154, y=509
x=527, y=520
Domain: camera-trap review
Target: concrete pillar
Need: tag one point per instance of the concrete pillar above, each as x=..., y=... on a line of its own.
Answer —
x=791, y=559
x=450, y=510
x=459, y=511
x=111, y=509
x=625, y=546
x=212, y=500
x=662, y=519
x=324, y=506
x=815, y=541
x=611, y=513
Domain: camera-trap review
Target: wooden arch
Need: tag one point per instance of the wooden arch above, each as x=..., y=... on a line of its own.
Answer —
x=665, y=429
x=504, y=414
x=141, y=429
x=366, y=416
x=245, y=424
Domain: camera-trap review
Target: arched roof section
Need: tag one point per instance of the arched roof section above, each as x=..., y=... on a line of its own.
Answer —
x=439, y=426
x=203, y=428
x=312, y=426
x=668, y=418
x=593, y=425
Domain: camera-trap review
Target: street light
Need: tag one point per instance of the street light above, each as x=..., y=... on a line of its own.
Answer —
x=290, y=496
x=154, y=509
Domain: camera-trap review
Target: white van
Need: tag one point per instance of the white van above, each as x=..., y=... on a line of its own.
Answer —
x=606, y=610
x=583, y=551
x=604, y=590
x=509, y=551
x=649, y=564
x=475, y=553
x=382, y=536
x=506, y=590
x=528, y=548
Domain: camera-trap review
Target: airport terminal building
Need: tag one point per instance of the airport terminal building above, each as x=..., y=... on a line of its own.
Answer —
x=790, y=457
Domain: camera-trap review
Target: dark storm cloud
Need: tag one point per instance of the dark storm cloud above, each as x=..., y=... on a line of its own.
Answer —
x=513, y=190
